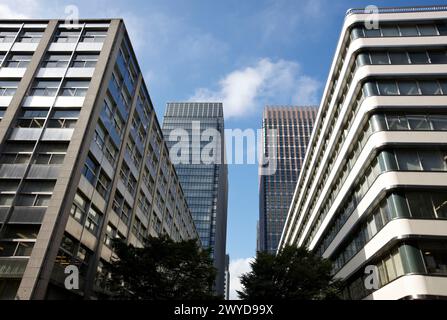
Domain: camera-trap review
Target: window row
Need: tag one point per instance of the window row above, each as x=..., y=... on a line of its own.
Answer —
x=409, y=204
x=69, y=88
x=402, y=57
x=405, y=87
x=410, y=257
x=400, y=30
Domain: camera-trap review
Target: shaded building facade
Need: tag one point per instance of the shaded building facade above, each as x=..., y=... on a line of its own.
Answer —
x=82, y=157
x=293, y=127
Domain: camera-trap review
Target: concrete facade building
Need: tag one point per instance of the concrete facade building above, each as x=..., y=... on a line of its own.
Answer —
x=205, y=183
x=293, y=127
x=82, y=157
x=373, y=188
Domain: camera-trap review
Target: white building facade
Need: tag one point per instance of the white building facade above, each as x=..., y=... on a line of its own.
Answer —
x=373, y=187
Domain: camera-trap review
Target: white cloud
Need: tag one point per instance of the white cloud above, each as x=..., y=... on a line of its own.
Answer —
x=24, y=9
x=244, y=90
x=237, y=268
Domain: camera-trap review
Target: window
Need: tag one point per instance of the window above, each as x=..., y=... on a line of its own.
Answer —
x=16, y=60
x=429, y=87
x=372, y=33
x=94, y=36
x=435, y=257
x=46, y=88
x=50, y=153
x=67, y=36
x=56, y=61
x=36, y=193
x=8, y=87
x=432, y=160
x=420, y=205
x=398, y=58
x=379, y=58
x=408, y=31
x=93, y=220
x=8, y=189
x=438, y=57
x=64, y=118
x=78, y=207
x=407, y=160
x=418, y=57
x=32, y=118
x=75, y=88
x=396, y=122
x=103, y=184
x=408, y=88
x=418, y=122
x=390, y=31
x=427, y=30
x=90, y=169
x=440, y=204
x=85, y=60
x=439, y=122
x=7, y=36
x=30, y=36
x=388, y=88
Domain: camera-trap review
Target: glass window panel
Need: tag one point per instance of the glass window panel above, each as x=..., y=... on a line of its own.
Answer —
x=382, y=274
x=398, y=57
x=24, y=249
x=407, y=160
x=408, y=30
x=379, y=58
x=429, y=87
x=432, y=160
x=390, y=269
x=372, y=33
x=439, y=122
x=397, y=263
x=396, y=122
x=6, y=199
x=418, y=122
x=442, y=28
x=420, y=205
x=418, y=57
x=440, y=204
x=390, y=31
x=438, y=57
x=408, y=88
x=427, y=30
x=443, y=84
x=387, y=88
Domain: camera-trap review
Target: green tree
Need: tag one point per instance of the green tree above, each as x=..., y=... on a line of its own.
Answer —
x=292, y=274
x=163, y=269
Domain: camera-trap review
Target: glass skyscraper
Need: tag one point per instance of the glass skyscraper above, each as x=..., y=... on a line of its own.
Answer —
x=293, y=127
x=204, y=184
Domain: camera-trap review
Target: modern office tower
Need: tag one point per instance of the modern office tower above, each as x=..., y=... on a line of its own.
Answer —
x=204, y=181
x=82, y=158
x=227, y=277
x=293, y=127
x=373, y=188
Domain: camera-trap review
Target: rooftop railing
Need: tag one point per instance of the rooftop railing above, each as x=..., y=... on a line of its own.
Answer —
x=398, y=9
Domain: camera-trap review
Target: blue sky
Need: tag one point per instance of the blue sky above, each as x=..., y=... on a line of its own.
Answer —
x=246, y=53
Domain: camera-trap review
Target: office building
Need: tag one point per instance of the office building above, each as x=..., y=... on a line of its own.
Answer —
x=203, y=180
x=373, y=187
x=292, y=128
x=227, y=277
x=82, y=159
